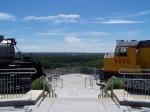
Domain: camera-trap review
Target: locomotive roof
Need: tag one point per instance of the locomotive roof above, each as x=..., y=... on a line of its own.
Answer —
x=145, y=43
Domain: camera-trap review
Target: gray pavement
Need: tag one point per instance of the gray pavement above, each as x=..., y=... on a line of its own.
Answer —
x=74, y=87
x=75, y=97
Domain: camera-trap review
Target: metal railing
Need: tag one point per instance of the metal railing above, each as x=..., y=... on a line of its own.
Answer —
x=15, y=84
x=54, y=79
x=94, y=76
x=50, y=83
x=106, y=86
x=54, y=75
x=71, y=70
x=136, y=85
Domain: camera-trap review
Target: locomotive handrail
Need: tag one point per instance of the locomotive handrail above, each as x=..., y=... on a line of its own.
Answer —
x=18, y=71
x=123, y=71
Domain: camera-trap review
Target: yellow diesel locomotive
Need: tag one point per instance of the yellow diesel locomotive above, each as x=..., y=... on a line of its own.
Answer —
x=128, y=55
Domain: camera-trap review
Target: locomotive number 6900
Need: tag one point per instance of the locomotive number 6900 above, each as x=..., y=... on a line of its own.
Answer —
x=122, y=61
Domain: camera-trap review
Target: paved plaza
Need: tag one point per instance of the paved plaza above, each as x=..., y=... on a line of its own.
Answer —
x=75, y=97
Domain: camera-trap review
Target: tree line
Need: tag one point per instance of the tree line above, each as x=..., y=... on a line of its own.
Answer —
x=56, y=60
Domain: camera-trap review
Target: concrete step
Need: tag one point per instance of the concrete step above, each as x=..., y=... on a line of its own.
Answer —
x=78, y=99
x=30, y=98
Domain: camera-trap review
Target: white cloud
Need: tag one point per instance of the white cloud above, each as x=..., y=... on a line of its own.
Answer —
x=46, y=34
x=76, y=45
x=96, y=33
x=140, y=13
x=5, y=16
x=64, y=47
x=72, y=39
x=61, y=33
x=69, y=16
x=128, y=34
x=93, y=40
x=57, y=19
x=100, y=18
x=127, y=15
x=119, y=22
x=31, y=48
x=120, y=18
x=29, y=18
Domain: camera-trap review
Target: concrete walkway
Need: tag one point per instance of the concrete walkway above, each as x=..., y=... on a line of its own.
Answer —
x=74, y=87
x=75, y=97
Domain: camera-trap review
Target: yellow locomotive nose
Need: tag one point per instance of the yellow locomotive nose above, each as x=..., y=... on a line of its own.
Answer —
x=128, y=55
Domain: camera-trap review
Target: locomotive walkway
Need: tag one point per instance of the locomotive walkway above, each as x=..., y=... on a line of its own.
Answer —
x=75, y=97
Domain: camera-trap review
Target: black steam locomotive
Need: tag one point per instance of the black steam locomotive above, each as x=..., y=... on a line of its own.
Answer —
x=16, y=68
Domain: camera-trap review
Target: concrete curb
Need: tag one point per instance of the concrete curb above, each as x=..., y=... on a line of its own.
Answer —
x=119, y=95
x=36, y=95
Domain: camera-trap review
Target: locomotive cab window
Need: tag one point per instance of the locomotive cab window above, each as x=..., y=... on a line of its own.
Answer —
x=121, y=52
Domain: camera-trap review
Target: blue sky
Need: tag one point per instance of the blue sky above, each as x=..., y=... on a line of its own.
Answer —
x=91, y=26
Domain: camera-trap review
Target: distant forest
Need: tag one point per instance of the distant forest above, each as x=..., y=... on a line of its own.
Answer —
x=56, y=60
